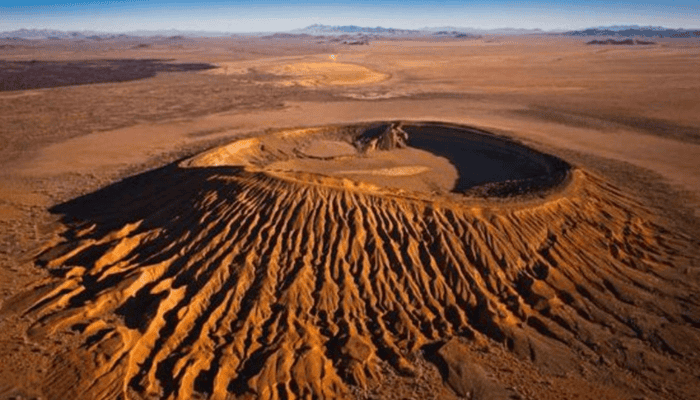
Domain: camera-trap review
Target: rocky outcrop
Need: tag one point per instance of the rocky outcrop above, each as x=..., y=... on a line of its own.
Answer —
x=382, y=138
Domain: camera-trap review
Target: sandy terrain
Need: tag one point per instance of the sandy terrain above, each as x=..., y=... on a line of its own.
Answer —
x=206, y=219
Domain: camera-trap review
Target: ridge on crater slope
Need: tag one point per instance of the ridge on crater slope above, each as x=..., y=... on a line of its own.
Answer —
x=233, y=282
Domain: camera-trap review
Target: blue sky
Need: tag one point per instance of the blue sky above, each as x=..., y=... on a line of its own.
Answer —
x=257, y=16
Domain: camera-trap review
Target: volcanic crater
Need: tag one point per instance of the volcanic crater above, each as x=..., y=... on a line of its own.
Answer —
x=306, y=263
x=428, y=157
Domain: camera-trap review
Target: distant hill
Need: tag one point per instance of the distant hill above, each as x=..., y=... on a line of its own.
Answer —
x=461, y=32
x=318, y=29
x=90, y=35
x=635, y=30
x=57, y=35
x=628, y=42
x=628, y=27
x=178, y=33
x=476, y=31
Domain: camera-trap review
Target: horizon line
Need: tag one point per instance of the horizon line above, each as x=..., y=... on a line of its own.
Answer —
x=545, y=30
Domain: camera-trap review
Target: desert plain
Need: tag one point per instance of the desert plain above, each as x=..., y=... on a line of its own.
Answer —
x=505, y=217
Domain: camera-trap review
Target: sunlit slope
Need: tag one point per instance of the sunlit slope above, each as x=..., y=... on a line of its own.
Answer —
x=227, y=282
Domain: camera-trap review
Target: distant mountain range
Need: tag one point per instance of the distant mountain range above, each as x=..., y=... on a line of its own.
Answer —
x=56, y=34
x=476, y=31
x=318, y=29
x=328, y=30
x=635, y=30
x=626, y=27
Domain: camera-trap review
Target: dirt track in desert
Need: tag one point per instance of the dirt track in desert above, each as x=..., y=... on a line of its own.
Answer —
x=506, y=217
